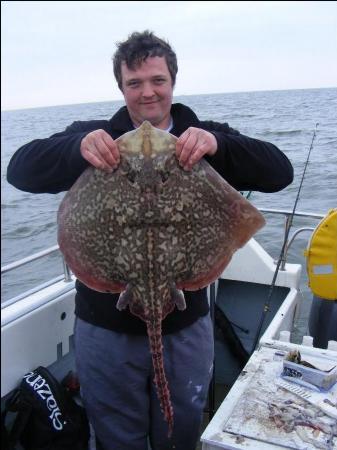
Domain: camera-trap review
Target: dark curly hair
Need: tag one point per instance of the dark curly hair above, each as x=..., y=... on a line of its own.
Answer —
x=137, y=48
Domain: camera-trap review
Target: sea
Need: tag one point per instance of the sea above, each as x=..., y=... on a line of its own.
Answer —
x=287, y=118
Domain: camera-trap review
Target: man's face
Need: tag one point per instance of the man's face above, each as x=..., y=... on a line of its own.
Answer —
x=148, y=92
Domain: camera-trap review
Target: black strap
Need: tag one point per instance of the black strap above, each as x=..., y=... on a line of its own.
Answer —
x=23, y=410
x=4, y=432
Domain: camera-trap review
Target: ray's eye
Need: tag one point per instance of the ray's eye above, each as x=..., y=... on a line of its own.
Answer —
x=131, y=176
x=164, y=175
x=126, y=169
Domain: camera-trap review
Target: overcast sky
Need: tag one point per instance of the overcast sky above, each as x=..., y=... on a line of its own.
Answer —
x=59, y=52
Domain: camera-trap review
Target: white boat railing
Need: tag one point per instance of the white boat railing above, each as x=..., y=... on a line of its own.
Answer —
x=34, y=257
x=29, y=259
x=288, y=215
x=66, y=276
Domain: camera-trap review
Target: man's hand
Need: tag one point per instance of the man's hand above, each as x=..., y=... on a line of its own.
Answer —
x=193, y=144
x=100, y=150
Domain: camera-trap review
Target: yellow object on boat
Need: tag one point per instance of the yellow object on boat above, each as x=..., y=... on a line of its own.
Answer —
x=321, y=257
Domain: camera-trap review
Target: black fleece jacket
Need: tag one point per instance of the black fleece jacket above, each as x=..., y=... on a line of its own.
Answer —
x=53, y=164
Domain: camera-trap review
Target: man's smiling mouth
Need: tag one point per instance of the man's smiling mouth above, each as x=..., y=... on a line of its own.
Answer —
x=149, y=103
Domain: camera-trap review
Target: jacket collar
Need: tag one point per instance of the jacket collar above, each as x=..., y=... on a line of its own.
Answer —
x=183, y=117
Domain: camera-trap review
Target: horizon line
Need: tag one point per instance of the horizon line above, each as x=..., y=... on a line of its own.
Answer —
x=178, y=95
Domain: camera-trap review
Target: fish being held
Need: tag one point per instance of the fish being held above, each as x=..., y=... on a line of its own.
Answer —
x=151, y=229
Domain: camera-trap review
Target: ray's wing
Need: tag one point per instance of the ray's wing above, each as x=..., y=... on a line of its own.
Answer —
x=209, y=221
x=96, y=231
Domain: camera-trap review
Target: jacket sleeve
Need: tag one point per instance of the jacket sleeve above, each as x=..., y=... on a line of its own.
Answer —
x=49, y=165
x=248, y=164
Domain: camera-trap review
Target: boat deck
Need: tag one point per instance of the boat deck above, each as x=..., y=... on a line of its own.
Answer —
x=258, y=414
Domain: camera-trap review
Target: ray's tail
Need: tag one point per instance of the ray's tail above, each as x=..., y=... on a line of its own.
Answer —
x=156, y=347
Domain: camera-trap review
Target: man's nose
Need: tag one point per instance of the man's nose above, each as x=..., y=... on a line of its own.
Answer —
x=148, y=90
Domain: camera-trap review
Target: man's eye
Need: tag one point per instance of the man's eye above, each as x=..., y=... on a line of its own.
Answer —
x=133, y=84
x=159, y=80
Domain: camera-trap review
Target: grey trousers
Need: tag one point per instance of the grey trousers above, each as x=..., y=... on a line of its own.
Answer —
x=116, y=376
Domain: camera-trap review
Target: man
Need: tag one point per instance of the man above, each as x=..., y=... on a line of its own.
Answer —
x=112, y=352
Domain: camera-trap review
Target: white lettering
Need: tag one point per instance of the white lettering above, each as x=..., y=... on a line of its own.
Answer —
x=38, y=385
x=35, y=378
x=37, y=382
x=57, y=420
x=45, y=391
x=28, y=375
x=51, y=403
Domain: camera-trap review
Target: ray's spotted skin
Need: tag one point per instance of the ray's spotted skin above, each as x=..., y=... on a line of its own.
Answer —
x=151, y=229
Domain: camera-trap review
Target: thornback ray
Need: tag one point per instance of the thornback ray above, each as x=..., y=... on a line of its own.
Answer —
x=151, y=229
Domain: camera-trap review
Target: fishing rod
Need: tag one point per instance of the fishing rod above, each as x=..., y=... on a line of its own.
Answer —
x=266, y=307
